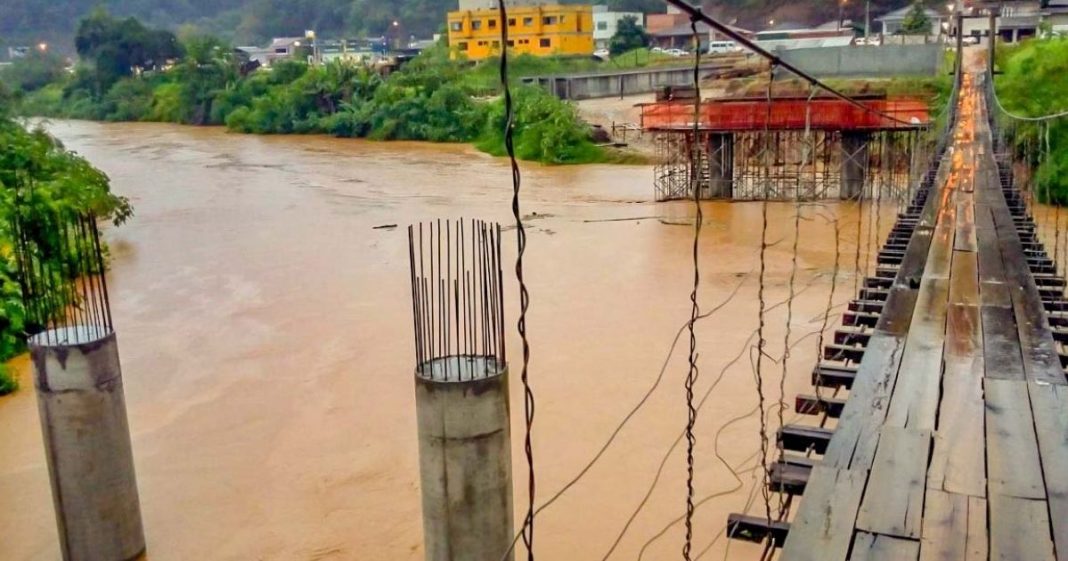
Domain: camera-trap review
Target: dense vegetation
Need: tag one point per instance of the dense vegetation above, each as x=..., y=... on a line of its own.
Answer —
x=1032, y=84
x=38, y=176
x=431, y=98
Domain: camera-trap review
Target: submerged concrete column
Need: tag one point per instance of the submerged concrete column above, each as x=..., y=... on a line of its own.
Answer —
x=87, y=444
x=721, y=166
x=461, y=390
x=854, y=164
x=465, y=458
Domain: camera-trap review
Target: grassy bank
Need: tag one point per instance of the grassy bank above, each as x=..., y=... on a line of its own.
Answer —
x=1033, y=83
x=39, y=176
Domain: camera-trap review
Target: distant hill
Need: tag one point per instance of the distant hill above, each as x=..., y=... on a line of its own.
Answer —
x=254, y=21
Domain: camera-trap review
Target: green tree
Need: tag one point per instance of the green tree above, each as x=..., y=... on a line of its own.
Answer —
x=916, y=21
x=629, y=36
x=117, y=48
x=209, y=66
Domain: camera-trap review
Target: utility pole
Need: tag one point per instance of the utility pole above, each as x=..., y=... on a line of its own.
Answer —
x=867, y=22
x=959, y=16
x=994, y=12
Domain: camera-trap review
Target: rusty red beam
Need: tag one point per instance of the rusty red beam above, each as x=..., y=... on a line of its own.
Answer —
x=789, y=114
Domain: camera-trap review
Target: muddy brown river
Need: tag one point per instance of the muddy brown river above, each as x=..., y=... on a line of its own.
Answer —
x=265, y=330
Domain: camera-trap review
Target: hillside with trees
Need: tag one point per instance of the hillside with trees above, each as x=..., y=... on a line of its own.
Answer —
x=26, y=22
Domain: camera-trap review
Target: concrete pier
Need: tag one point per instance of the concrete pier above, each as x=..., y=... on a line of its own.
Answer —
x=854, y=164
x=87, y=444
x=465, y=458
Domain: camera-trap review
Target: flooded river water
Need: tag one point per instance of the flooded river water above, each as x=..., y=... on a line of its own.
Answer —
x=266, y=337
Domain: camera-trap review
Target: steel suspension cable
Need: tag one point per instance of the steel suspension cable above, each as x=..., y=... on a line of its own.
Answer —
x=695, y=310
x=761, y=315
x=524, y=295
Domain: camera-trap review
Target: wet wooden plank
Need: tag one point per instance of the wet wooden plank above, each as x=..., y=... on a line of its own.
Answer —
x=965, y=239
x=823, y=528
x=1049, y=403
x=964, y=282
x=1001, y=344
x=854, y=442
x=1019, y=529
x=994, y=294
x=893, y=501
x=954, y=528
x=1039, y=354
x=991, y=268
x=1013, y=464
x=876, y=547
x=939, y=260
x=915, y=396
x=958, y=459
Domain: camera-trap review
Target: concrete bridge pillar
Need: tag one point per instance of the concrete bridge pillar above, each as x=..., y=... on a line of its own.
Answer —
x=720, y=166
x=465, y=458
x=87, y=444
x=854, y=164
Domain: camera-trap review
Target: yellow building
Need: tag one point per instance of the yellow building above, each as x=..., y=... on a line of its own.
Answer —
x=537, y=30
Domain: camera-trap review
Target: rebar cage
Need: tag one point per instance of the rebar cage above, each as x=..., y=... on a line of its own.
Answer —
x=457, y=299
x=61, y=269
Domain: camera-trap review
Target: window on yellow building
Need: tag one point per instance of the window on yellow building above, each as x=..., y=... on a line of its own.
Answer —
x=511, y=43
x=527, y=22
x=511, y=22
x=548, y=20
x=492, y=23
x=545, y=43
x=476, y=24
x=496, y=44
x=462, y=45
x=456, y=26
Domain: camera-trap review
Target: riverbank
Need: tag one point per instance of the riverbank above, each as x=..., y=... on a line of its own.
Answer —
x=431, y=97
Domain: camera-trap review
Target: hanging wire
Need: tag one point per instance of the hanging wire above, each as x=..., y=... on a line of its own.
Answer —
x=790, y=302
x=860, y=230
x=524, y=295
x=761, y=341
x=695, y=309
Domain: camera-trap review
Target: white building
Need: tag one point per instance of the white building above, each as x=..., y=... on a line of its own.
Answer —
x=605, y=24
x=1013, y=22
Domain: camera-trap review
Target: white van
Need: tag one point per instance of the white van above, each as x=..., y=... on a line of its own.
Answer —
x=720, y=47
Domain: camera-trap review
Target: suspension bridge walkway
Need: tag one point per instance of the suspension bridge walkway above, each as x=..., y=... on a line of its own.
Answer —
x=944, y=395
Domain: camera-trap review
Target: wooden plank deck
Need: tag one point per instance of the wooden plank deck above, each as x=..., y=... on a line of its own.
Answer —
x=953, y=443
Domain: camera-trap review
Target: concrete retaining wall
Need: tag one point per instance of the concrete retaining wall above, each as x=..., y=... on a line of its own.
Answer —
x=609, y=84
x=862, y=61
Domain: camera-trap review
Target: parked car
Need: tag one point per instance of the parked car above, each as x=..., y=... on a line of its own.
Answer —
x=601, y=53
x=970, y=40
x=676, y=52
x=656, y=50
x=722, y=47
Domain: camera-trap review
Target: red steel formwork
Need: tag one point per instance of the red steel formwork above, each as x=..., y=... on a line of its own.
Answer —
x=827, y=114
